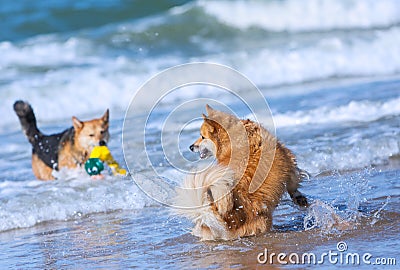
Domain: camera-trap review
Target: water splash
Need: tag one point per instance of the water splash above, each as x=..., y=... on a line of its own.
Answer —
x=342, y=213
x=324, y=217
x=352, y=192
x=377, y=215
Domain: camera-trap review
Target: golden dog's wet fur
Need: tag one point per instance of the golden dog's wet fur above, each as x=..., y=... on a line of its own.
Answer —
x=239, y=195
x=68, y=149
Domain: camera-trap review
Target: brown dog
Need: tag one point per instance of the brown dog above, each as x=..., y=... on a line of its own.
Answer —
x=70, y=148
x=237, y=197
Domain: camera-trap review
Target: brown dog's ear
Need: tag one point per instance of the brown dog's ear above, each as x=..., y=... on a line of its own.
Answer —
x=106, y=116
x=204, y=116
x=77, y=123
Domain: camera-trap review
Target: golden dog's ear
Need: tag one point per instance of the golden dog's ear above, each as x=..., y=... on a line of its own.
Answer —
x=106, y=116
x=210, y=124
x=209, y=109
x=78, y=124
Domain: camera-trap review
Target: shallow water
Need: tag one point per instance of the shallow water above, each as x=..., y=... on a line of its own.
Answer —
x=151, y=238
x=334, y=103
x=112, y=223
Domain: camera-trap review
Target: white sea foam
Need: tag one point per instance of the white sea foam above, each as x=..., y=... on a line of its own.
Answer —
x=46, y=51
x=26, y=203
x=310, y=15
x=348, y=155
x=331, y=57
x=354, y=111
x=68, y=77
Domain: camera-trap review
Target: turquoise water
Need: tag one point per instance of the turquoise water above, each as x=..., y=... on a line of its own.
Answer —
x=25, y=19
x=329, y=71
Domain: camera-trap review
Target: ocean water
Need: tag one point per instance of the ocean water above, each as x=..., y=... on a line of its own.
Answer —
x=329, y=70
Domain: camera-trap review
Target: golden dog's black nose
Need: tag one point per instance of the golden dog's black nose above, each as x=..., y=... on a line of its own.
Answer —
x=102, y=143
x=191, y=148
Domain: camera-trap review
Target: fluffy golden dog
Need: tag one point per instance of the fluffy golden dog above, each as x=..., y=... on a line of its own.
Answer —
x=237, y=197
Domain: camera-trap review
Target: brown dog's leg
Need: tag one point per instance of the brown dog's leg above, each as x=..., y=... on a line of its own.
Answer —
x=41, y=170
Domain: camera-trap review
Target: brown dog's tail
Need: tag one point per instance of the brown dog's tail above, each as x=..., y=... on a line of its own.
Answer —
x=27, y=119
x=45, y=147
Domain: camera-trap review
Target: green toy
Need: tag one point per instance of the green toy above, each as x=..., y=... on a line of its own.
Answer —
x=94, y=166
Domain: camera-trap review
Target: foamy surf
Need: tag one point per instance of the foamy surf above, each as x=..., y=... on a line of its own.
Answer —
x=354, y=111
x=289, y=15
x=121, y=58
x=74, y=195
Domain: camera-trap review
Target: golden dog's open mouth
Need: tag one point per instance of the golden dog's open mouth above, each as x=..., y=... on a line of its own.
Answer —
x=205, y=153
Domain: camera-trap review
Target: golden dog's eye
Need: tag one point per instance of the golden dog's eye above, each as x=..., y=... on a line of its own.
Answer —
x=102, y=132
x=91, y=135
